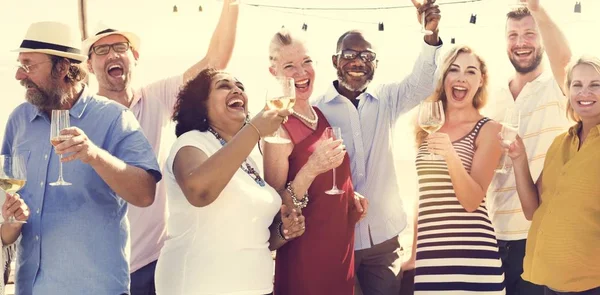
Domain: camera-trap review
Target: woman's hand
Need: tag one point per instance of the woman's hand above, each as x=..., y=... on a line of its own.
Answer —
x=329, y=155
x=268, y=121
x=362, y=205
x=15, y=206
x=293, y=224
x=516, y=149
x=440, y=144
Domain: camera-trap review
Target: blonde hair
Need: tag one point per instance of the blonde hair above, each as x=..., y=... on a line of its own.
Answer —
x=281, y=39
x=583, y=60
x=439, y=94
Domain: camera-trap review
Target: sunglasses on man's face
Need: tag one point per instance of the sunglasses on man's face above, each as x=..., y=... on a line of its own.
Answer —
x=349, y=54
x=119, y=47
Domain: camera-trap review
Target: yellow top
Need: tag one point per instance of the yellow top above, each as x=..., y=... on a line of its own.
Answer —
x=563, y=245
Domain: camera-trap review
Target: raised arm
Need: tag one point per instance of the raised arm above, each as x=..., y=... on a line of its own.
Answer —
x=555, y=42
x=420, y=83
x=221, y=43
x=527, y=189
x=470, y=188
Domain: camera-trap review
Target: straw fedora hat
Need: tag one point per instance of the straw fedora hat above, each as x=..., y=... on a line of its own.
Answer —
x=53, y=38
x=103, y=30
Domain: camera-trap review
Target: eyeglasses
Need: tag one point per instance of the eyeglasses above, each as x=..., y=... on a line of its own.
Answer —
x=104, y=49
x=349, y=54
x=27, y=68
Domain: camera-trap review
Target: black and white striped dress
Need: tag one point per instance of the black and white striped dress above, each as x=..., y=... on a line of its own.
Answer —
x=457, y=251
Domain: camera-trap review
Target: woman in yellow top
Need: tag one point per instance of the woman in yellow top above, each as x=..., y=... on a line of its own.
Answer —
x=564, y=204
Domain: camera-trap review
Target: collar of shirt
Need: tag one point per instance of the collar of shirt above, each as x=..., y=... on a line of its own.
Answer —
x=332, y=93
x=574, y=130
x=76, y=111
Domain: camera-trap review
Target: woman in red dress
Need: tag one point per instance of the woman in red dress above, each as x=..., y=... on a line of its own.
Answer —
x=321, y=261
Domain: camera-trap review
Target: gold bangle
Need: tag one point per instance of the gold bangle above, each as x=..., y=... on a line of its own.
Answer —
x=257, y=132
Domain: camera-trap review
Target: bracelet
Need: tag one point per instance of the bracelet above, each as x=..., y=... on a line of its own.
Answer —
x=298, y=203
x=279, y=234
x=257, y=132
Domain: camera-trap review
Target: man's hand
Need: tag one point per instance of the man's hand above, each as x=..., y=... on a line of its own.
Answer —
x=79, y=146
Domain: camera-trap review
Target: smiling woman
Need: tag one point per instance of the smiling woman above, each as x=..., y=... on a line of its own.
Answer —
x=222, y=213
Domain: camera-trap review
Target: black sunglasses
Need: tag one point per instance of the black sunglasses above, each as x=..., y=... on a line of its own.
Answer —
x=104, y=49
x=349, y=54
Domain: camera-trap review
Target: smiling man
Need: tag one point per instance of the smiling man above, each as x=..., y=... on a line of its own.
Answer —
x=367, y=115
x=113, y=56
x=537, y=93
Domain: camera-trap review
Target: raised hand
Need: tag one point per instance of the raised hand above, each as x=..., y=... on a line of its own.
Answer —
x=515, y=149
x=268, y=121
x=431, y=11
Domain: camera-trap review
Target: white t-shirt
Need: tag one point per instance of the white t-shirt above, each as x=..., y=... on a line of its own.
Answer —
x=221, y=248
x=543, y=117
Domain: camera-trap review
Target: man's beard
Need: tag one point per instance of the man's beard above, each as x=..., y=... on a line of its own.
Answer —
x=48, y=99
x=354, y=88
x=529, y=68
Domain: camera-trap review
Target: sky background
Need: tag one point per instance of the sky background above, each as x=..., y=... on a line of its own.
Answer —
x=172, y=42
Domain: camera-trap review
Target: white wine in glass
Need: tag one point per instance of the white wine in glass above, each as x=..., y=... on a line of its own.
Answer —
x=510, y=130
x=431, y=119
x=334, y=133
x=60, y=121
x=281, y=95
x=12, y=177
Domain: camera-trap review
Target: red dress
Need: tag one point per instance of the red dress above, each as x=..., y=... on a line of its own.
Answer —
x=321, y=261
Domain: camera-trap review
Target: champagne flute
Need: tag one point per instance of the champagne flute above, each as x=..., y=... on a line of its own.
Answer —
x=281, y=95
x=514, y=4
x=334, y=133
x=417, y=4
x=510, y=130
x=431, y=119
x=12, y=178
x=60, y=121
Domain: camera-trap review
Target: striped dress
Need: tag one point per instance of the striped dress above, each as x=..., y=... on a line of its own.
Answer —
x=457, y=251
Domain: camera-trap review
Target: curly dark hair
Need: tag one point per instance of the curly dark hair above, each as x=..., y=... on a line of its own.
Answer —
x=76, y=72
x=190, y=112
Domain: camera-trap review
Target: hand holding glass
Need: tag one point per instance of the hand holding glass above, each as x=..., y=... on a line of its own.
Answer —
x=334, y=133
x=60, y=121
x=431, y=119
x=12, y=177
x=418, y=4
x=281, y=95
x=510, y=130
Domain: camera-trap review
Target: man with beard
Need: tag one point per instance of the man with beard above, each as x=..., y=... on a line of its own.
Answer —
x=75, y=241
x=113, y=56
x=367, y=115
x=537, y=94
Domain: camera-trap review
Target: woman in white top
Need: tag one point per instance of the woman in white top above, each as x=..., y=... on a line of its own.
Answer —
x=223, y=217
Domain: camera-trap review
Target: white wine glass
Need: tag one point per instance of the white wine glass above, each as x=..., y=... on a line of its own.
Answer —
x=334, y=133
x=515, y=4
x=418, y=3
x=13, y=176
x=281, y=95
x=60, y=121
x=510, y=130
x=431, y=119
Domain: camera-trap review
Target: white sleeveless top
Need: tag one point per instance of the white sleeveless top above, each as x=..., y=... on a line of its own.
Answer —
x=221, y=248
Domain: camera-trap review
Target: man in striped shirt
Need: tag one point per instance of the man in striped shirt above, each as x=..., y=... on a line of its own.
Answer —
x=537, y=93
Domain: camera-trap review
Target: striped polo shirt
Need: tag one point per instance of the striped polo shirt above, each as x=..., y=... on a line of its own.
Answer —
x=543, y=117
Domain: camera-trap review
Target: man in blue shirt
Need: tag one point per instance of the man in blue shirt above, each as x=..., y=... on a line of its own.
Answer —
x=367, y=115
x=76, y=239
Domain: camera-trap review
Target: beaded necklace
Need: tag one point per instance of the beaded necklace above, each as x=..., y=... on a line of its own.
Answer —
x=245, y=166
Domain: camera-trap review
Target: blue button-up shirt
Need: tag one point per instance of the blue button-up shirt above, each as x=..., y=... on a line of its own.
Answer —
x=367, y=133
x=75, y=241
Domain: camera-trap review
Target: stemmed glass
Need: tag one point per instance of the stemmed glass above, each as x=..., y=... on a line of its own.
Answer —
x=60, y=121
x=517, y=4
x=281, y=95
x=417, y=4
x=431, y=119
x=13, y=176
x=510, y=130
x=334, y=133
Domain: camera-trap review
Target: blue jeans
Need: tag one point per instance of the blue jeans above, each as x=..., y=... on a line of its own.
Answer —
x=512, y=254
x=142, y=280
x=595, y=291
